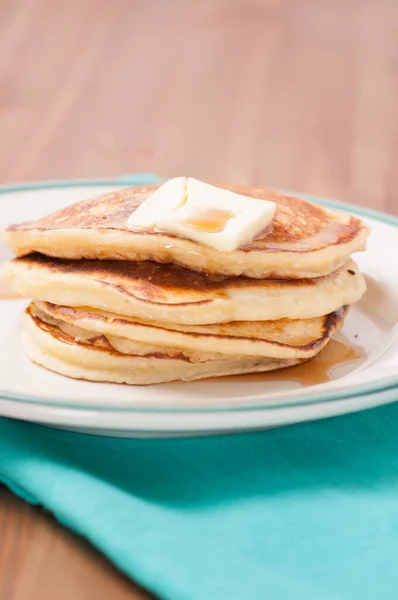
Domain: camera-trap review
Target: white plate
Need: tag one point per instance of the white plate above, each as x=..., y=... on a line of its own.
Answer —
x=32, y=393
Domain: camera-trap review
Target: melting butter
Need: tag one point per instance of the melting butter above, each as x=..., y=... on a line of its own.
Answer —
x=212, y=216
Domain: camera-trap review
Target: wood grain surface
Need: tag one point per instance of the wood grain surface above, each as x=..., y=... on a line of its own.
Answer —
x=297, y=94
x=39, y=559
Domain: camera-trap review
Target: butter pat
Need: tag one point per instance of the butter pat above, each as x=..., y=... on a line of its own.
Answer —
x=197, y=211
x=167, y=198
x=218, y=218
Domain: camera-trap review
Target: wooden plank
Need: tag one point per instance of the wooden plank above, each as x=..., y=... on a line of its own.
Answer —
x=40, y=559
x=299, y=95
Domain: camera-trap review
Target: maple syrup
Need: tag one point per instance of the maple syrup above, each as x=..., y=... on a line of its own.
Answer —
x=328, y=235
x=319, y=369
x=210, y=220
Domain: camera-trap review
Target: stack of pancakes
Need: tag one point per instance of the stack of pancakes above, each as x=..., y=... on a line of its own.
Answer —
x=113, y=304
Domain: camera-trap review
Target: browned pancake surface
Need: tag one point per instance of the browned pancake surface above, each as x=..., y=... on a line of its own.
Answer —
x=156, y=282
x=312, y=338
x=97, y=341
x=297, y=225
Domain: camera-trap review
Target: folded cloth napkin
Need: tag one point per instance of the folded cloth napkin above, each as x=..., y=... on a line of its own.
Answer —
x=308, y=511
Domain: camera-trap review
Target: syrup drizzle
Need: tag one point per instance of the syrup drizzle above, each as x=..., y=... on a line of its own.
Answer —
x=210, y=220
x=319, y=369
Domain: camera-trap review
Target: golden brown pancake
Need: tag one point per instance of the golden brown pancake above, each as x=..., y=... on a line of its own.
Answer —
x=172, y=294
x=94, y=360
x=300, y=338
x=303, y=240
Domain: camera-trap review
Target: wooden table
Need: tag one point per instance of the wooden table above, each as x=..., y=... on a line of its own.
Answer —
x=299, y=94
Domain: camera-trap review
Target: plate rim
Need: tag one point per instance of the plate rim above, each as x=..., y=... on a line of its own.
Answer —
x=94, y=423
x=302, y=400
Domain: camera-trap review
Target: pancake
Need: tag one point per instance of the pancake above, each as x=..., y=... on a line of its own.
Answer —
x=172, y=294
x=304, y=240
x=302, y=338
x=48, y=346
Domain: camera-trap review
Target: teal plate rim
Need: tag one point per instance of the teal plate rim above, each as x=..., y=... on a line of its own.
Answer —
x=389, y=384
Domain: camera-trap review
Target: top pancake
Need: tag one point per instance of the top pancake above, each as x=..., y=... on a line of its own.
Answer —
x=303, y=240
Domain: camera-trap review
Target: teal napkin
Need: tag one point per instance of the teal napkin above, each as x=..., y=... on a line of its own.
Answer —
x=308, y=511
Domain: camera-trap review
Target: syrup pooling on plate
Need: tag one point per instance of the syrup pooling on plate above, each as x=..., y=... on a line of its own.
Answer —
x=210, y=221
x=320, y=369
